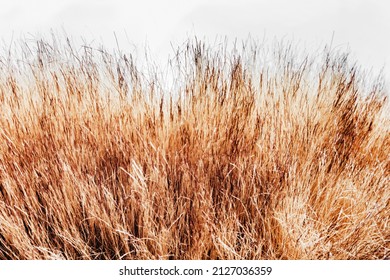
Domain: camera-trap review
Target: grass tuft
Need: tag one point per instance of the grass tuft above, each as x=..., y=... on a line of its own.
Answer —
x=247, y=154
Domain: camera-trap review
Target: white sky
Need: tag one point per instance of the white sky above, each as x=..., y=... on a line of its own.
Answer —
x=363, y=26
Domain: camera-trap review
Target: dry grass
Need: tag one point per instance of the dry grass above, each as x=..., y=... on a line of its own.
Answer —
x=239, y=160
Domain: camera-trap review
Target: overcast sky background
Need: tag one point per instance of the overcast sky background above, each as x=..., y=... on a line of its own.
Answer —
x=362, y=26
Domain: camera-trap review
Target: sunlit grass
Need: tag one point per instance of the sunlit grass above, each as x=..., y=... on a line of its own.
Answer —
x=250, y=155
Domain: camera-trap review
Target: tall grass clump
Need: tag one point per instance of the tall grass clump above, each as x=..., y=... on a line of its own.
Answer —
x=246, y=153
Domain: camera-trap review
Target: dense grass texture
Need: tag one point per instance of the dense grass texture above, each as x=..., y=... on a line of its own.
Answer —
x=248, y=152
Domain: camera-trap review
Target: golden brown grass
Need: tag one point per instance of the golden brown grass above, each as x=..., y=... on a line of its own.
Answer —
x=241, y=159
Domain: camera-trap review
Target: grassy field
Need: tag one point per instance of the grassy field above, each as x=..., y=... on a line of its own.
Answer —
x=244, y=154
